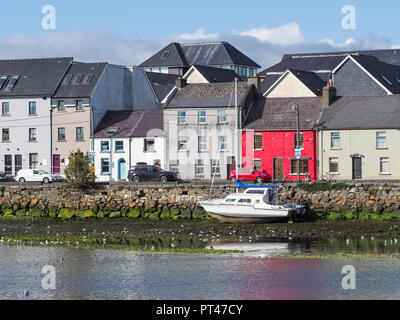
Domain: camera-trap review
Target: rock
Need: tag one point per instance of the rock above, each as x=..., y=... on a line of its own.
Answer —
x=67, y=213
x=115, y=214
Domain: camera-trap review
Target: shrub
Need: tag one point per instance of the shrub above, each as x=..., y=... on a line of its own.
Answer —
x=78, y=173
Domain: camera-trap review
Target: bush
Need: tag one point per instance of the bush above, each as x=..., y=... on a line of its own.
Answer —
x=78, y=173
x=322, y=186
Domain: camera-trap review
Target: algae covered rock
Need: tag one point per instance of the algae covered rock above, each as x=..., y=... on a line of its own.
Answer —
x=67, y=213
x=116, y=214
x=85, y=214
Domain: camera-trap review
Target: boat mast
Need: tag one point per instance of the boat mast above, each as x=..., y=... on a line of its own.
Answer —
x=236, y=133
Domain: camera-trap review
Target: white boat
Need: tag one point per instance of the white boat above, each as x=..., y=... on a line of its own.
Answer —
x=255, y=204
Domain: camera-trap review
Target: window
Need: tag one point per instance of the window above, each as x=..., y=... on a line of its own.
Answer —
x=386, y=79
x=61, y=105
x=258, y=142
x=381, y=140
x=304, y=168
x=223, y=143
x=385, y=165
x=202, y=117
x=257, y=165
x=87, y=79
x=105, y=166
x=11, y=84
x=335, y=140
x=5, y=135
x=165, y=55
x=32, y=108
x=61, y=134
x=199, y=167
x=32, y=134
x=111, y=131
x=105, y=146
x=174, y=166
x=67, y=79
x=33, y=160
x=182, y=117
x=77, y=79
x=119, y=146
x=300, y=143
x=149, y=145
x=2, y=80
x=5, y=108
x=202, y=143
x=333, y=165
x=244, y=200
x=79, y=134
x=79, y=105
x=182, y=143
x=222, y=117
x=215, y=168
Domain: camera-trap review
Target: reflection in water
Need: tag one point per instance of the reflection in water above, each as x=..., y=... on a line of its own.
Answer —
x=260, y=250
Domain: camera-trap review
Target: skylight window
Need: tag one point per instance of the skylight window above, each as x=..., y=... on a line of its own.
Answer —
x=386, y=79
x=87, y=79
x=77, y=79
x=11, y=83
x=2, y=80
x=67, y=79
x=165, y=55
x=111, y=131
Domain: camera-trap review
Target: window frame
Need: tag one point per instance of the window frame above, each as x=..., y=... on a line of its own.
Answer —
x=58, y=134
x=146, y=146
x=32, y=134
x=3, y=105
x=108, y=146
x=204, y=117
x=117, y=146
x=258, y=135
x=224, y=142
x=333, y=160
x=32, y=107
x=102, y=165
x=77, y=138
x=379, y=138
x=301, y=144
x=338, y=138
x=182, y=117
x=186, y=140
x=383, y=160
x=3, y=134
x=174, y=166
x=304, y=166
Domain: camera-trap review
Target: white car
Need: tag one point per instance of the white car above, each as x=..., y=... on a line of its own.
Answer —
x=34, y=175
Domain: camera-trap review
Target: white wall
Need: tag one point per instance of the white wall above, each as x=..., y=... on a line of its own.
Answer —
x=18, y=122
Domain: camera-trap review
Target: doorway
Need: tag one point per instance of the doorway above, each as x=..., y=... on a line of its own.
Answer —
x=121, y=169
x=17, y=163
x=357, y=168
x=56, y=164
x=8, y=164
x=231, y=165
x=278, y=169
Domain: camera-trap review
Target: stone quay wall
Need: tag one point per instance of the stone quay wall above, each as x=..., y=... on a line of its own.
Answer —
x=176, y=202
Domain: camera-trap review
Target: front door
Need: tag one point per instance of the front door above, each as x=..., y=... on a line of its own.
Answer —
x=121, y=169
x=56, y=164
x=357, y=168
x=8, y=164
x=278, y=169
x=18, y=163
x=231, y=165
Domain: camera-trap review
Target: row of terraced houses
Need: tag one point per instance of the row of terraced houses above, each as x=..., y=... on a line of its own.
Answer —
x=177, y=111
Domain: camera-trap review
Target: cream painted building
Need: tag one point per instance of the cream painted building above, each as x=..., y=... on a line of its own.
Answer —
x=359, y=139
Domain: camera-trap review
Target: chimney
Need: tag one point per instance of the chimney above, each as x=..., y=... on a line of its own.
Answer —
x=180, y=83
x=257, y=83
x=328, y=95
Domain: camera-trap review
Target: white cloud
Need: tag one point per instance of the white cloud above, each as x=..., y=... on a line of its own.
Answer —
x=332, y=43
x=197, y=36
x=287, y=34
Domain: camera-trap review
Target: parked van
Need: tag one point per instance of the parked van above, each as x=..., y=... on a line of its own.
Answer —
x=34, y=175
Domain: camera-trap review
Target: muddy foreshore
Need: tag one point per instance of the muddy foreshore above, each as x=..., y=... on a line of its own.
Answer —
x=147, y=229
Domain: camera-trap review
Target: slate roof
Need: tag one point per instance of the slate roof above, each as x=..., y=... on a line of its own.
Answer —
x=209, y=95
x=309, y=79
x=277, y=114
x=37, y=77
x=362, y=112
x=130, y=123
x=216, y=74
x=80, y=90
x=162, y=83
x=186, y=55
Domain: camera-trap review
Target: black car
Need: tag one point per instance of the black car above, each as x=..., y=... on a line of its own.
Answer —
x=150, y=173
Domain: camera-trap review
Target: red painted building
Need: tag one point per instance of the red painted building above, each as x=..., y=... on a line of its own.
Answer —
x=269, y=137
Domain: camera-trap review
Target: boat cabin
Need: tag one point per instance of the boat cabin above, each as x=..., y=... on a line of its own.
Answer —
x=255, y=196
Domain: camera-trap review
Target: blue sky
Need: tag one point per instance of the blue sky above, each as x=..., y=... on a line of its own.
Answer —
x=126, y=32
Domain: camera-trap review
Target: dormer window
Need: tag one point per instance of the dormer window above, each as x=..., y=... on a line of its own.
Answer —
x=165, y=55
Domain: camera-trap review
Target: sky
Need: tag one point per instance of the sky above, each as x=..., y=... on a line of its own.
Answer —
x=128, y=32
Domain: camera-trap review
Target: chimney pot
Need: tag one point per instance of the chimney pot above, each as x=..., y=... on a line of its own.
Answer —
x=180, y=83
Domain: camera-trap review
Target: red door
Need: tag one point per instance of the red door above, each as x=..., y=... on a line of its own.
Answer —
x=56, y=164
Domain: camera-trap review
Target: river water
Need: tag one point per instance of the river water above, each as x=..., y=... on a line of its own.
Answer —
x=258, y=273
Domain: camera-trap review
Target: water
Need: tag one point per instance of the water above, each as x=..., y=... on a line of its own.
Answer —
x=114, y=274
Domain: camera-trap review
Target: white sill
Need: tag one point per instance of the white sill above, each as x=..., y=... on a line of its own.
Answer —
x=334, y=173
x=204, y=151
x=336, y=148
x=119, y=151
x=385, y=174
x=105, y=152
x=383, y=148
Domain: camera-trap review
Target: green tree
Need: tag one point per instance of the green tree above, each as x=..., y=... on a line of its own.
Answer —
x=78, y=173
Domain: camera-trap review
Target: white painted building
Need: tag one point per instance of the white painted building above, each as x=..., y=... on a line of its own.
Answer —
x=125, y=138
x=26, y=88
